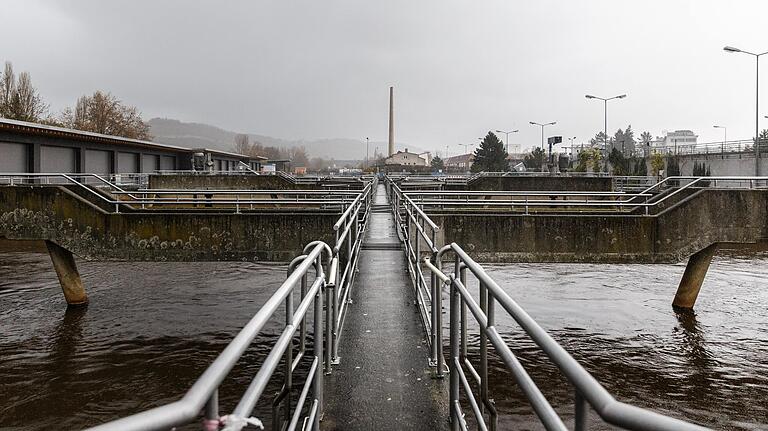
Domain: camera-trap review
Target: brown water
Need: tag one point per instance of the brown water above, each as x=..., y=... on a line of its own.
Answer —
x=152, y=328
x=709, y=367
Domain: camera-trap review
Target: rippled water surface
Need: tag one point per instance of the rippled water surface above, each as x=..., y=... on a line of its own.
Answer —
x=152, y=328
x=709, y=367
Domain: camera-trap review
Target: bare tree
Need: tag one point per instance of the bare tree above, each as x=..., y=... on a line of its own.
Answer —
x=106, y=114
x=298, y=156
x=242, y=146
x=19, y=100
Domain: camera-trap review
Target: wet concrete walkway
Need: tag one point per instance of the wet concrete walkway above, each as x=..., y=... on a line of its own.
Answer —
x=383, y=381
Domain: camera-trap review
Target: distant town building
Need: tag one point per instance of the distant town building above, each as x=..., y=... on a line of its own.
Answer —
x=514, y=159
x=407, y=158
x=666, y=144
x=459, y=163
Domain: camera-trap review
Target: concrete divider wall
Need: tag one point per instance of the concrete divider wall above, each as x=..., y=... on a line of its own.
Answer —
x=543, y=182
x=240, y=182
x=56, y=214
x=710, y=216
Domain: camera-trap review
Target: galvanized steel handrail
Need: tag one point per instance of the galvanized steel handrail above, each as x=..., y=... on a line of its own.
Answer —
x=580, y=201
x=203, y=395
x=416, y=228
x=588, y=391
x=145, y=198
x=350, y=230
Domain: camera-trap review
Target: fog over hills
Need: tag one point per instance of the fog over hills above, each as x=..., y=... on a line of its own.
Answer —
x=199, y=135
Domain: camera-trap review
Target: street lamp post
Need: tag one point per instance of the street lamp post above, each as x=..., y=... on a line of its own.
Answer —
x=367, y=160
x=506, y=137
x=605, y=115
x=533, y=123
x=757, y=102
x=725, y=137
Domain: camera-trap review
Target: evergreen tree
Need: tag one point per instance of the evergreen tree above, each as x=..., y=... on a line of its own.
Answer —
x=437, y=164
x=641, y=169
x=491, y=155
x=673, y=167
x=534, y=160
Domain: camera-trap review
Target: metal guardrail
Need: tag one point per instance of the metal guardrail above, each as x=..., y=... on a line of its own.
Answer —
x=588, y=391
x=203, y=396
x=330, y=281
x=236, y=200
x=417, y=230
x=646, y=202
x=743, y=148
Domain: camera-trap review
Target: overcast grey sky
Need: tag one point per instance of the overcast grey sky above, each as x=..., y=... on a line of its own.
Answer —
x=313, y=69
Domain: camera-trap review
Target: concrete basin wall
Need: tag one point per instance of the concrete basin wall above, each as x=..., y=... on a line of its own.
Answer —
x=528, y=183
x=240, y=182
x=58, y=215
x=707, y=217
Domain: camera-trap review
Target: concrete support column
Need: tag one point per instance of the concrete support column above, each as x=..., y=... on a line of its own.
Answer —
x=69, y=277
x=693, y=277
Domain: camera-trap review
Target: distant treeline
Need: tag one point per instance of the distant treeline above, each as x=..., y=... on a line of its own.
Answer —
x=297, y=154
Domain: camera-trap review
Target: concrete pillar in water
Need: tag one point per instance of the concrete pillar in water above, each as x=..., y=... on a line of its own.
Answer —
x=693, y=277
x=69, y=277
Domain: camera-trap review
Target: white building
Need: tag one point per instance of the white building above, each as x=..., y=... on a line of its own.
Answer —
x=407, y=158
x=678, y=139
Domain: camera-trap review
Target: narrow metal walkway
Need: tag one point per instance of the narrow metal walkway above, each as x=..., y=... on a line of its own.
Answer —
x=383, y=381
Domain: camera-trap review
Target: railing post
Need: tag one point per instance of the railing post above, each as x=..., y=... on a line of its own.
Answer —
x=453, y=330
x=211, y=420
x=288, y=357
x=317, y=385
x=303, y=326
x=581, y=412
x=487, y=305
x=464, y=317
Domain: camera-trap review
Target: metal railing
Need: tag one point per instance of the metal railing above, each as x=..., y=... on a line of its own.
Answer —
x=739, y=148
x=203, y=396
x=237, y=200
x=417, y=230
x=330, y=281
x=350, y=231
x=645, y=202
x=587, y=390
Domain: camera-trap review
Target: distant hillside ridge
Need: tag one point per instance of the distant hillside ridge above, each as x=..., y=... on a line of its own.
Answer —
x=199, y=135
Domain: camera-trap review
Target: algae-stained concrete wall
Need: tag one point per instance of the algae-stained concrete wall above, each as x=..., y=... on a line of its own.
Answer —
x=713, y=216
x=57, y=214
x=242, y=182
x=538, y=182
x=707, y=217
x=223, y=182
x=549, y=238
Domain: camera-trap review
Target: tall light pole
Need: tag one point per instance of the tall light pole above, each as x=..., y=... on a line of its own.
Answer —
x=506, y=138
x=466, y=147
x=757, y=102
x=605, y=113
x=725, y=137
x=542, y=129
